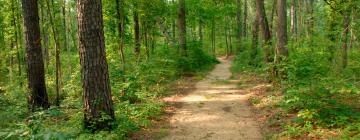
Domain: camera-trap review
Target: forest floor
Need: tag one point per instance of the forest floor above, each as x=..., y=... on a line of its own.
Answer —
x=217, y=107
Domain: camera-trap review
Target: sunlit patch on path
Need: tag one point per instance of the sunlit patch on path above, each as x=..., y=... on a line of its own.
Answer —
x=216, y=110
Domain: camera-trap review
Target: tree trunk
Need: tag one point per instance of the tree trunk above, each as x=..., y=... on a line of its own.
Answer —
x=35, y=71
x=182, y=27
x=16, y=42
x=226, y=36
x=238, y=22
x=346, y=26
x=293, y=21
x=244, y=30
x=261, y=15
x=121, y=31
x=273, y=12
x=98, y=105
x=57, y=54
x=137, y=33
x=255, y=38
x=63, y=6
x=45, y=35
x=282, y=29
x=311, y=18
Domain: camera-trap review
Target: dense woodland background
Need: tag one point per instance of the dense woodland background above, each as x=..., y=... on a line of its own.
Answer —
x=70, y=69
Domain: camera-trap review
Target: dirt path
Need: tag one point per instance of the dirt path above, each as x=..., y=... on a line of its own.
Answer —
x=216, y=110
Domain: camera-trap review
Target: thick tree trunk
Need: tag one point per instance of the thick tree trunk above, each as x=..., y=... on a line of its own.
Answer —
x=282, y=29
x=261, y=15
x=35, y=71
x=98, y=106
x=182, y=27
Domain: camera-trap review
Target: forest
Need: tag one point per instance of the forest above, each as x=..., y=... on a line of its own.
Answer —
x=179, y=69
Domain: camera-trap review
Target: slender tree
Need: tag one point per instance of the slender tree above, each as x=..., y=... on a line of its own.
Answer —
x=57, y=54
x=238, y=21
x=182, y=26
x=136, y=33
x=35, y=64
x=121, y=30
x=98, y=105
x=244, y=30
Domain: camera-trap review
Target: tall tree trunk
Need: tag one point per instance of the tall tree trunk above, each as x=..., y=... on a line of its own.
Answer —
x=238, y=22
x=98, y=106
x=293, y=22
x=63, y=6
x=255, y=38
x=230, y=37
x=35, y=71
x=121, y=31
x=273, y=12
x=57, y=54
x=345, y=34
x=16, y=42
x=244, y=30
x=182, y=27
x=45, y=35
x=311, y=18
x=261, y=15
x=137, y=34
x=282, y=29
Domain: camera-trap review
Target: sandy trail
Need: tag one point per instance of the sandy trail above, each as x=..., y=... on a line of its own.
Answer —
x=216, y=110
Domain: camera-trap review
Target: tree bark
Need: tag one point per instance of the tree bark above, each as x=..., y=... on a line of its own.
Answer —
x=121, y=31
x=262, y=21
x=137, y=34
x=255, y=38
x=35, y=71
x=182, y=27
x=98, y=105
x=16, y=42
x=282, y=29
x=244, y=30
x=57, y=54
x=238, y=22
x=293, y=22
x=345, y=34
x=273, y=12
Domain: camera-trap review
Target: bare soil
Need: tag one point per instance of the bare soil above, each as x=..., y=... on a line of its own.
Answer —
x=216, y=108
